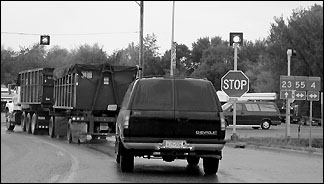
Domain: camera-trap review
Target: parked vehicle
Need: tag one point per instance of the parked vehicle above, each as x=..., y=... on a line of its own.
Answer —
x=315, y=121
x=170, y=118
x=253, y=113
x=79, y=101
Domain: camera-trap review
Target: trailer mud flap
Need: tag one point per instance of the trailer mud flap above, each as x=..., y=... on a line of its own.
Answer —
x=79, y=132
x=60, y=126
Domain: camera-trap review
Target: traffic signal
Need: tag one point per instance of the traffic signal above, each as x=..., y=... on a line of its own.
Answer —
x=44, y=40
x=236, y=38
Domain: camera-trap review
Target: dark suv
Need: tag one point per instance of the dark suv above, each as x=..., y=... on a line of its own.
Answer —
x=170, y=118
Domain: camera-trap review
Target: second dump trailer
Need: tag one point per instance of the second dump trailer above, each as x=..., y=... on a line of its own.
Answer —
x=87, y=98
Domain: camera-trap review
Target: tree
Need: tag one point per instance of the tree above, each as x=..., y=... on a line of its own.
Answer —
x=57, y=57
x=87, y=54
x=303, y=33
x=198, y=49
x=214, y=64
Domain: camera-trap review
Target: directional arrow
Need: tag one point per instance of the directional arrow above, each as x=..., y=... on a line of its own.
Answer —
x=300, y=95
x=286, y=94
x=313, y=95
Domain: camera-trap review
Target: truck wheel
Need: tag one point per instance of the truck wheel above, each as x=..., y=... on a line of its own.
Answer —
x=51, y=128
x=193, y=160
x=23, y=122
x=34, y=124
x=126, y=160
x=28, y=123
x=210, y=165
x=8, y=124
x=265, y=124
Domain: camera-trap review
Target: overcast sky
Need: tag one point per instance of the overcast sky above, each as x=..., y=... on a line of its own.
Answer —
x=115, y=24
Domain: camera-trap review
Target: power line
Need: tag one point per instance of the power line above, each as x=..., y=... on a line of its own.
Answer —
x=70, y=34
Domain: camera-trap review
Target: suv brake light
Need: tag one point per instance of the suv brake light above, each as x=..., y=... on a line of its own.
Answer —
x=126, y=120
x=222, y=120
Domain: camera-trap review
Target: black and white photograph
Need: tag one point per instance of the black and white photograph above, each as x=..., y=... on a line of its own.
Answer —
x=162, y=92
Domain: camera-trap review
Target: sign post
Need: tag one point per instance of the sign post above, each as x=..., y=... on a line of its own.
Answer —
x=313, y=87
x=234, y=84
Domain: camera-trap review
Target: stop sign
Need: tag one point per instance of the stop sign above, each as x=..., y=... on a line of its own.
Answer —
x=235, y=83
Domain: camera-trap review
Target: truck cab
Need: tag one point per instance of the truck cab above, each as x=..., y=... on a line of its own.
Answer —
x=13, y=107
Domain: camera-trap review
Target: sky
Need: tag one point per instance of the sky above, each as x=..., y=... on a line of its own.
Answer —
x=115, y=24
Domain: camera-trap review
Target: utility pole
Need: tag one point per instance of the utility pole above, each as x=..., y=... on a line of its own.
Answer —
x=141, y=55
x=289, y=54
x=173, y=49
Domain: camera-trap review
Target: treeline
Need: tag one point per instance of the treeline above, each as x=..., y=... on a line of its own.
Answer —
x=263, y=61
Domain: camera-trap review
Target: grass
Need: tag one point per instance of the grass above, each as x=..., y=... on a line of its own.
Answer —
x=290, y=143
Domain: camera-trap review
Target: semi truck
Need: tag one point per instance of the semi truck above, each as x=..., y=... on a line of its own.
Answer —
x=79, y=101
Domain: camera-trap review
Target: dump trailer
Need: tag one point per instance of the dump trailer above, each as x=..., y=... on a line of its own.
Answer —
x=87, y=99
x=32, y=100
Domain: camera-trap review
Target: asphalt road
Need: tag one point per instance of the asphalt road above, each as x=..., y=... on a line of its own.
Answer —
x=28, y=158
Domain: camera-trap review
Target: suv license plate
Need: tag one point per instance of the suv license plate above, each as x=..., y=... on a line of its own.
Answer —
x=174, y=144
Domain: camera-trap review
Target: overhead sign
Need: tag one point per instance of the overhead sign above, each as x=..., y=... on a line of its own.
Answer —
x=235, y=83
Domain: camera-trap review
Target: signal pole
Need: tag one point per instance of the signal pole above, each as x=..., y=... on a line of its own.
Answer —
x=173, y=51
x=141, y=58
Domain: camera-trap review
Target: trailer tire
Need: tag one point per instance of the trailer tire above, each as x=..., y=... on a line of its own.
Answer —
x=51, y=127
x=28, y=123
x=34, y=124
x=23, y=122
x=9, y=126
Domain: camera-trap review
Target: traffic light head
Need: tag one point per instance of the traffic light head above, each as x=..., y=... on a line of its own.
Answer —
x=236, y=38
x=44, y=40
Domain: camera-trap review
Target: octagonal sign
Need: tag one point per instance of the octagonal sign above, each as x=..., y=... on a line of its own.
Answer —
x=235, y=83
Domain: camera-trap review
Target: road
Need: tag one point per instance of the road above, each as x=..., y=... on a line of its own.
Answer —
x=28, y=158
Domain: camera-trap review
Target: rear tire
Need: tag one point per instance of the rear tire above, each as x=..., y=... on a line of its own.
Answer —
x=126, y=160
x=23, y=122
x=193, y=160
x=28, y=119
x=8, y=124
x=51, y=127
x=34, y=124
x=210, y=165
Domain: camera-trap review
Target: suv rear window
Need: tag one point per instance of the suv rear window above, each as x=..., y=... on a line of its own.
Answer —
x=194, y=95
x=153, y=95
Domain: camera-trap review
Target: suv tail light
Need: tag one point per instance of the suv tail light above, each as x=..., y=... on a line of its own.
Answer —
x=126, y=119
x=222, y=120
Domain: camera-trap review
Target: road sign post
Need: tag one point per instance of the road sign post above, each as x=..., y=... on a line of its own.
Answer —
x=235, y=84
